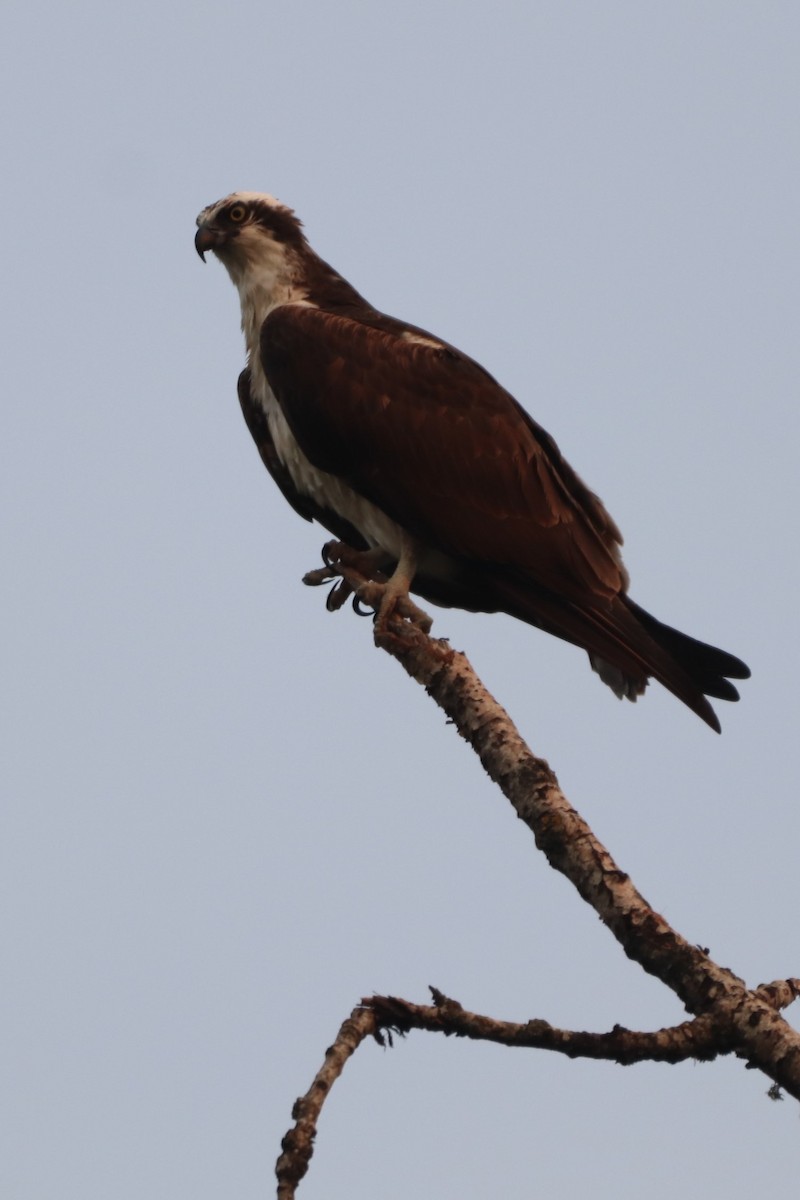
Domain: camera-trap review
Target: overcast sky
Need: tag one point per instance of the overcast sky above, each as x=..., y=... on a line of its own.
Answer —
x=226, y=816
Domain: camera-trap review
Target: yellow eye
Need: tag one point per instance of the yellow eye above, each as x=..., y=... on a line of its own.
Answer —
x=237, y=213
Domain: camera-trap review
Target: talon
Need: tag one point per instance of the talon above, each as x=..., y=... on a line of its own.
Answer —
x=360, y=610
x=337, y=595
x=328, y=551
x=362, y=575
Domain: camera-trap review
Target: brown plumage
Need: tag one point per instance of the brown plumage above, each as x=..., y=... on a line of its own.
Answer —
x=349, y=406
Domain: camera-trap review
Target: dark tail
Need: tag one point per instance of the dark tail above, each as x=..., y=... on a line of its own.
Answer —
x=627, y=647
x=709, y=669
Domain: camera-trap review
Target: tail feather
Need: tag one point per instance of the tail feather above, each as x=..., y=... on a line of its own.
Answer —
x=627, y=646
x=707, y=665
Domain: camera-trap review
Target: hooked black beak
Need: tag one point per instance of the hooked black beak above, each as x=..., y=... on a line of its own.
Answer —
x=207, y=238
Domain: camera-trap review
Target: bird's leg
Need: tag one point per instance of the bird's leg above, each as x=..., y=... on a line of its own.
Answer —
x=392, y=597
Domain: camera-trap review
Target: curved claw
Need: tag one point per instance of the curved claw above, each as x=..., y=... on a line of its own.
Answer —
x=327, y=556
x=330, y=599
x=360, y=610
x=337, y=595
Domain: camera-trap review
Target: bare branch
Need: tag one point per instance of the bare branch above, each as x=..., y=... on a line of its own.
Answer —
x=759, y=1032
x=696, y=1039
x=298, y=1144
x=727, y=1016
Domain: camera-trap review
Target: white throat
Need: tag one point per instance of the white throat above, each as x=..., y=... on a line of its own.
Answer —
x=265, y=275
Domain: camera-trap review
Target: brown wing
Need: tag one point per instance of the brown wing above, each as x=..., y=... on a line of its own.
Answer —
x=430, y=438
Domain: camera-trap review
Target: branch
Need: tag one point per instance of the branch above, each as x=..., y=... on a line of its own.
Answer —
x=758, y=1033
x=698, y=1039
x=298, y=1144
x=728, y=1018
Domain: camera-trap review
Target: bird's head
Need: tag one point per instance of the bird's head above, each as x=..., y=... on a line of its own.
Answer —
x=257, y=239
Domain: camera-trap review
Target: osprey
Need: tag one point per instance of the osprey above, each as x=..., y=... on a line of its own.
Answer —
x=430, y=475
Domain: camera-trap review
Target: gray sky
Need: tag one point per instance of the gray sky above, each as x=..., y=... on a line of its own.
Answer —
x=227, y=817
